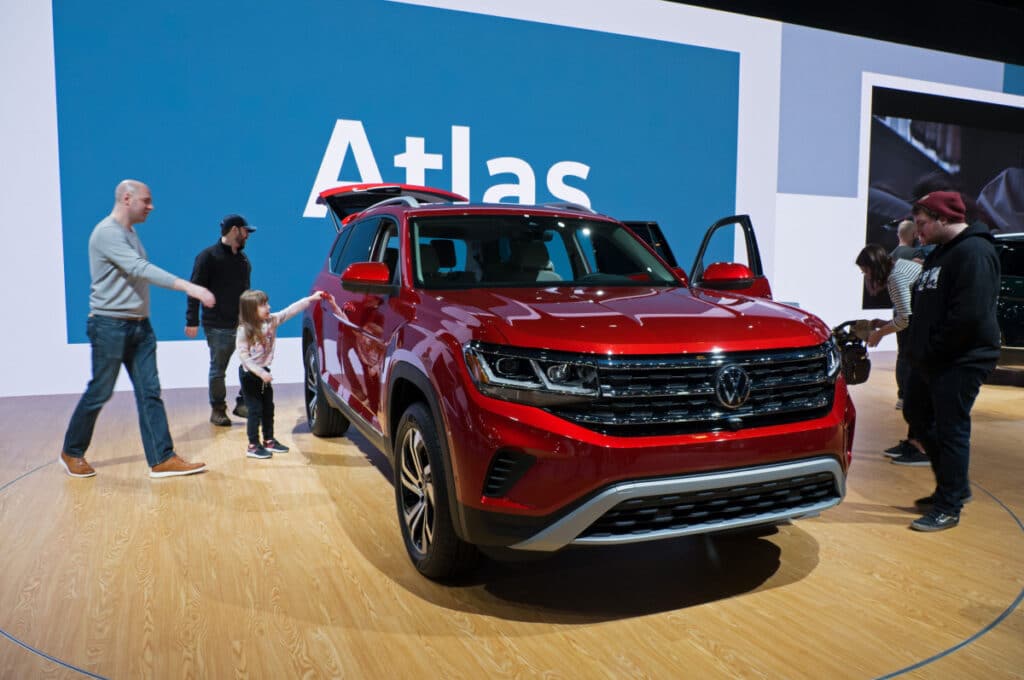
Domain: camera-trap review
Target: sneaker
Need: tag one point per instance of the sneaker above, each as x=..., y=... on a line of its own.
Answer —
x=176, y=466
x=241, y=410
x=275, y=446
x=257, y=451
x=927, y=502
x=76, y=467
x=903, y=447
x=219, y=416
x=935, y=521
x=899, y=405
x=912, y=458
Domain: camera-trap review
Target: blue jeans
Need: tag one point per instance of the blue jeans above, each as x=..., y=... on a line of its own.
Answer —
x=937, y=405
x=132, y=343
x=221, y=342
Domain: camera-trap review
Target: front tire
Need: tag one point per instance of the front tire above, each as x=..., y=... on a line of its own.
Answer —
x=324, y=420
x=421, y=497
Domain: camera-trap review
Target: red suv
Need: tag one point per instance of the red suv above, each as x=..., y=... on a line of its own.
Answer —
x=540, y=378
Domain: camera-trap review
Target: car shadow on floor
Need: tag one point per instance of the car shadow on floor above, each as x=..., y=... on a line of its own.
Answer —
x=595, y=584
x=615, y=582
x=592, y=584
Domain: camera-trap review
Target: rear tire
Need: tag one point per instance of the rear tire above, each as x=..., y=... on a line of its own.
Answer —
x=324, y=420
x=421, y=497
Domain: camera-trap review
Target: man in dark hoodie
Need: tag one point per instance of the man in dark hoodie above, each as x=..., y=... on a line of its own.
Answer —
x=953, y=346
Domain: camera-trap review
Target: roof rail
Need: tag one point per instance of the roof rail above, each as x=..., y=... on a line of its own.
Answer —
x=566, y=205
x=395, y=200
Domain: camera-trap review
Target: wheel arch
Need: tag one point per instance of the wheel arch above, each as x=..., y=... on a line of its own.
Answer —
x=407, y=384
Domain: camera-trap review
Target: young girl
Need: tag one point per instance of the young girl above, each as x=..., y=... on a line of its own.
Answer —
x=257, y=332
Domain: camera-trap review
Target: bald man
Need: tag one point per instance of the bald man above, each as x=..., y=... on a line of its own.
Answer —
x=120, y=334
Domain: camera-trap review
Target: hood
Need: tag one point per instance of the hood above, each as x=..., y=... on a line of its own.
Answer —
x=640, y=320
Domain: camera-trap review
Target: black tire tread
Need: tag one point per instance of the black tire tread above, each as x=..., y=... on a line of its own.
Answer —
x=331, y=422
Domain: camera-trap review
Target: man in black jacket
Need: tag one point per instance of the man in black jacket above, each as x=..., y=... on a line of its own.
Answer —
x=953, y=346
x=225, y=270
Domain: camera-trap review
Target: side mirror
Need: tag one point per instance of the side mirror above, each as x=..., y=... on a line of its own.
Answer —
x=368, y=277
x=727, y=276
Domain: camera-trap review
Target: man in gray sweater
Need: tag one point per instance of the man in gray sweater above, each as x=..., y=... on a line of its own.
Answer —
x=120, y=333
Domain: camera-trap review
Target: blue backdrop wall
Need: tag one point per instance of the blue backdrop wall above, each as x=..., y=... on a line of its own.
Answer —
x=220, y=111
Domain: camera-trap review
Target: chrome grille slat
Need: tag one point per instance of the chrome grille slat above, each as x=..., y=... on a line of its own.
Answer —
x=677, y=394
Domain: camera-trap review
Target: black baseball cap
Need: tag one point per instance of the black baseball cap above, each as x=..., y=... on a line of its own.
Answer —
x=231, y=221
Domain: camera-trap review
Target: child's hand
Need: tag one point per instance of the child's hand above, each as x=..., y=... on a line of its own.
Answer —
x=324, y=295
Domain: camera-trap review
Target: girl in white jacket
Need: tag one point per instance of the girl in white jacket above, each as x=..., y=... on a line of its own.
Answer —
x=254, y=342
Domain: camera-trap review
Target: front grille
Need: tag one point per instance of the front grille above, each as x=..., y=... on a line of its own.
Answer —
x=679, y=511
x=674, y=395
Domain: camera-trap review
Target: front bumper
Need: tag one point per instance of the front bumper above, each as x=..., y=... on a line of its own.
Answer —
x=649, y=510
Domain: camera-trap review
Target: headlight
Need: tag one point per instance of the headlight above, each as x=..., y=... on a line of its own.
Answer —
x=833, y=359
x=531, y=376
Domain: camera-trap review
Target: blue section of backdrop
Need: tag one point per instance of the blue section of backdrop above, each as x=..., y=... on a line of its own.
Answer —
x=224, y=108
x=1013, y=79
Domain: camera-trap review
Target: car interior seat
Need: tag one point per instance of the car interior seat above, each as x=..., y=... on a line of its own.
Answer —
x=535, y=263
x=429, y=263
x=445, y=249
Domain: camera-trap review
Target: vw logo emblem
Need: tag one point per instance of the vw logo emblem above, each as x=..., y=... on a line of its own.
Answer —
x=732, y=386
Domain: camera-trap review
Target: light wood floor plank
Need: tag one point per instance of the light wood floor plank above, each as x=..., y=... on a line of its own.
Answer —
x=294, y=567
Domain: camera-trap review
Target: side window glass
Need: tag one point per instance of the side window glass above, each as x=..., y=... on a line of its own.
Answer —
x=386, y=248
x=727, y=244
x=338, y=249
x=357, y=249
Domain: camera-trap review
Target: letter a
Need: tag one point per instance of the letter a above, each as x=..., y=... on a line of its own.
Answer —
x=346, y=134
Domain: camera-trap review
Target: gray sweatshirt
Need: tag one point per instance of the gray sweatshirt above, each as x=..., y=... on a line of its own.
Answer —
x=120, y=272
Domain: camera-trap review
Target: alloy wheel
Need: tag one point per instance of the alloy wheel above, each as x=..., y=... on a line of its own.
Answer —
x=417, y=491
x=312, y=385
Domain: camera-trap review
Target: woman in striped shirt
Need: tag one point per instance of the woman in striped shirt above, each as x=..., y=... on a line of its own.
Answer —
x=898, y=278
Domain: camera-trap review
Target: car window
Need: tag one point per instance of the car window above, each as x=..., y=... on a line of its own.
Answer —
x=386, y=247
x=357, y=248
x=338, y=249
x=727, y=245
x=651, y=233
x=524, y=250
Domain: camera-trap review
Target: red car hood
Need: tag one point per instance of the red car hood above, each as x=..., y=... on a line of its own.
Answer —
x=631, y=320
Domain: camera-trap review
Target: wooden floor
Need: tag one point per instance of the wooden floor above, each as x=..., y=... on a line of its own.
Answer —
x=294, y=567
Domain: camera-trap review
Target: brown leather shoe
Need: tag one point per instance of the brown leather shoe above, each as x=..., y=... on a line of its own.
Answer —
x=175, y=466
x=76, y=467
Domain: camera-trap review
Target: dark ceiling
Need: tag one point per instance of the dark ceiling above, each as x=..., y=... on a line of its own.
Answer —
x=989, y=29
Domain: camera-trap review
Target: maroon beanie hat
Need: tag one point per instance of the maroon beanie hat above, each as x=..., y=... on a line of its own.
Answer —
x=946, y=204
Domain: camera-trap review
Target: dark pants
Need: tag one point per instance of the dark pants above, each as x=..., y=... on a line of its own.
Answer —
x=903, y=377
x=259, y=399
x=902, y=362
x=131, y=343
x=938, y=405
x=221, y=342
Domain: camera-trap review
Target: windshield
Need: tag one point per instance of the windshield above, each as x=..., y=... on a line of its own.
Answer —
x=468, y=251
